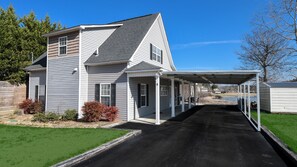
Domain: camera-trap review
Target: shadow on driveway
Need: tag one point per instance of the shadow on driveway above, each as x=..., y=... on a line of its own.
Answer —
x=213, y=135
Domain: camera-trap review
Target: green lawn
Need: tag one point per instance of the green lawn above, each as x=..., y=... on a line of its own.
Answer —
x=284, y=126
x=29, y=146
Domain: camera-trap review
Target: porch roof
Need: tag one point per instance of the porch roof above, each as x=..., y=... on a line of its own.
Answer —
x=215, y=77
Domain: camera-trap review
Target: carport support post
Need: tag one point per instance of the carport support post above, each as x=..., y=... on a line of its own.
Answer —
x=249, y=99
x=195, y=97
x=244, y=93
x=172, y=98
x=183, y=97
x=258, y=102
x=190, y=95
x=157, y=80
x=240, y=86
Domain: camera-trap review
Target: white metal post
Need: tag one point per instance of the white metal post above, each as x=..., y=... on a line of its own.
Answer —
x=240, y=97
x=157, y=83
x=249, y=99
x=195, y=96
x=172, y=98
x=190, y=95
x=183, y=97
x=244, y=93
x=258, y=102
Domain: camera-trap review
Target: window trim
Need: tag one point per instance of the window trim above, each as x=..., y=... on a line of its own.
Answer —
x=145, y=92
x=167, y=90
x=66, y=37
x=160, y=56
x=100, y=94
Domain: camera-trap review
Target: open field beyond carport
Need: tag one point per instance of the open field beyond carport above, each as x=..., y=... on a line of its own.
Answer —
x=29, y=146
x=284, y=126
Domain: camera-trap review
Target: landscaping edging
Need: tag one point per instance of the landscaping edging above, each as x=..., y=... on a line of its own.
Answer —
x=281, y=148
x=84, y=156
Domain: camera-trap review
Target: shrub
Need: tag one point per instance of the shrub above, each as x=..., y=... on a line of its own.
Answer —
x=110, y=113
x=92, y=111
x=31, y=107
x=70, y=115
x=27, y=106
x=17, y=112
x=52, y=116
x=40, y=117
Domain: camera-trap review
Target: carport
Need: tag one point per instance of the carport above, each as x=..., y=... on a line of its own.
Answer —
x=242, y=78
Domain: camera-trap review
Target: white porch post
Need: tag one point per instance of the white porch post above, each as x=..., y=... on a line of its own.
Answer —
x=258, y=102
x=195, y=96
x=240, y=97
x=249, y=99
x=244, y=93
x=190, y=95
x=172, y=98
x=157, y=83
x=183, y=97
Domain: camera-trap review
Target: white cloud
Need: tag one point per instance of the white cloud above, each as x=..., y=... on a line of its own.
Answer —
x=195, y=44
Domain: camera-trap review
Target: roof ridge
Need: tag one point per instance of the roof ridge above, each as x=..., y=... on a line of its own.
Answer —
x=137, y=17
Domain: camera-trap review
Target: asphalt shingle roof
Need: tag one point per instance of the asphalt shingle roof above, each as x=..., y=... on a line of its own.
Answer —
x=123, y=42
x=143, y=66
x=283, y=85
x=39, y=63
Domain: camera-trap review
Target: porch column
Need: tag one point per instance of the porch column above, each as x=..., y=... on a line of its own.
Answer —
x=258, y=102
x=238, y=96
x=240, y=86
x=172, y=98
x=195, y=96
x=244, y=93
x=183, y=97
x=157, y=83
x=249, y=100
x=190, y=95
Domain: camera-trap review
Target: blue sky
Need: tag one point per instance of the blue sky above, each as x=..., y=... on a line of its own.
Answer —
x=203, y=35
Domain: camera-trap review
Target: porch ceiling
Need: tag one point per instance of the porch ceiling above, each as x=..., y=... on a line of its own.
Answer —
x=216, y=77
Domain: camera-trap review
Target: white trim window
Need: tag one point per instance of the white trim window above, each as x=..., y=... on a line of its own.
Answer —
x=156, y=53
x=143, y=95
x=163, y=90
x=105, y=94
x=63, y=45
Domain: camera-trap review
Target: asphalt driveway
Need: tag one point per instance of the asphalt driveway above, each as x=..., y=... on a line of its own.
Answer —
x=203, y=136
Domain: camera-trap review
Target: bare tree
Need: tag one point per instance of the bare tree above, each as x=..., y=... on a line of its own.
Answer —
x=265, y=50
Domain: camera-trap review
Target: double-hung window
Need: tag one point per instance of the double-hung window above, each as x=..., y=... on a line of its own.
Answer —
x=143, y=95
x=105, y=94
x=63, y=45
x=156, y=53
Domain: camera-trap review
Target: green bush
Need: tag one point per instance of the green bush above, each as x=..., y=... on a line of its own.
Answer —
x=70, y=115
x=40, y=117
x=46, y=117
x=52, y=116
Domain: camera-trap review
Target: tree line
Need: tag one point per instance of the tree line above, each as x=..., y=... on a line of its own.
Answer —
x=20, y=38
x=272, y=44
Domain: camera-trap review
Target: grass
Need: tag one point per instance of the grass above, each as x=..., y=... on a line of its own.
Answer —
x=284, y=126
x=30, y=146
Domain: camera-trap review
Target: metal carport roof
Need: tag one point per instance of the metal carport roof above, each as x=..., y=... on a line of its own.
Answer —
x=216, y=77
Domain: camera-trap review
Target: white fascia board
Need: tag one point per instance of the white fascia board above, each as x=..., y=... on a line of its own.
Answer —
x=80, y=27
x=222, y=72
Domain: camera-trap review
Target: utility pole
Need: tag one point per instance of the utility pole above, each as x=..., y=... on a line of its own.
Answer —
x=32, y=57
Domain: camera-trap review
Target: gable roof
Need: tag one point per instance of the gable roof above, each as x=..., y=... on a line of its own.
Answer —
x=123, y=42
x=143, y=66
x=283, y=85
x=38, y=64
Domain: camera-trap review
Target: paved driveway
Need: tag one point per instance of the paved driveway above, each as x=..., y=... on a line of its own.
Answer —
x=203, y=136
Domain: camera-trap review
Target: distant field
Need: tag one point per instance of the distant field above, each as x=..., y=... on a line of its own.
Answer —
x=284, y=126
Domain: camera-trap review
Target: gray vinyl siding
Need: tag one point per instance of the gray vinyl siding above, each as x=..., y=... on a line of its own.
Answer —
x=62, y=84
x=134, y=111
x=91, y=39
x=154, y=37
x=110, y=74
x=37, y=78
x=265, y=97
x=284, y=100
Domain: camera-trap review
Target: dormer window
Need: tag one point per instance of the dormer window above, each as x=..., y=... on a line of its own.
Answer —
x=156, y=54
x=63, y=45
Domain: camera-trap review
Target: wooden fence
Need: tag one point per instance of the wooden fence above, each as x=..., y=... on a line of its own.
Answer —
x=11, y=96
